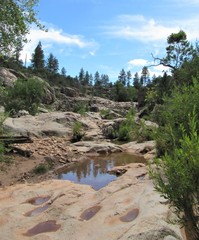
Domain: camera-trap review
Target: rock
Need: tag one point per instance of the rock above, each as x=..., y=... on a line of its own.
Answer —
x=139, y=148
x=44, y=124
x=70, y=92
x=20, y=113
x=6, y=77
x=127, y=208
x=93, y=147
x=94, y=108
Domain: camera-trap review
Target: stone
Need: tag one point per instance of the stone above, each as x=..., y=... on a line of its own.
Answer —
x=125, y=209
x=6, y=77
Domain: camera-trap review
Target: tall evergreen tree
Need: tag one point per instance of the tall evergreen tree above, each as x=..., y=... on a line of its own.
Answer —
x=86, y=79
x=37, y=60
x=52, y=64
x=97, y=79
x=122, y=77
x=104, y=80
x=91, y=79
x=63, y=72
x=136, y=81
x=81, y=76
x=145, y=76
x=128, y=78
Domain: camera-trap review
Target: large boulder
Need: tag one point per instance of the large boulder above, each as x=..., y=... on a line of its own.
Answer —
x=70, y=92
x=6, y=77
x=44, y=124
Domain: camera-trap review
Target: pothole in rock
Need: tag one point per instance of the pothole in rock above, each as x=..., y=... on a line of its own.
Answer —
x=48, y=226
x=90, y=212
x=130, y=216
x=37, y=211
x=38, y=200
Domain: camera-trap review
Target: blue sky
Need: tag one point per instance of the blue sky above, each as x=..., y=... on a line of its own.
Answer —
x=108, y=35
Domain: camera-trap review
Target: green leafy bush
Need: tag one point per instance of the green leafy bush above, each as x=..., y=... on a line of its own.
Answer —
x=127, y=127
x=41, y=168
x=176, y=177
x=77, y=131
x=173, y=113
x=80, y=108
x=24, y=95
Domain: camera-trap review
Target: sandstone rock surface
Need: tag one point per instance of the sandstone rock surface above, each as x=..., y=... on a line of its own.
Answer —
x=44, y=124
x=127, y=208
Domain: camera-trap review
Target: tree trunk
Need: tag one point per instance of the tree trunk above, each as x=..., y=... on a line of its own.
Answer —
x=191, y=229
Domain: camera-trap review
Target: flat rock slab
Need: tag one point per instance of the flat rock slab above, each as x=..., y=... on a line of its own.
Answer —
x=44, y=124
x=127, y=208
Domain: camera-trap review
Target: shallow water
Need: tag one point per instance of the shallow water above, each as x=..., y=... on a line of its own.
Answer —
x=37, y=211
x=90, y=212
x=38, y=200
x=48, y=226
x=130, y=216
x=94, y=171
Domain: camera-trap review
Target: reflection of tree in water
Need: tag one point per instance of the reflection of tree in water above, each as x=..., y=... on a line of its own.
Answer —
x=91, y=167
x=99, y=166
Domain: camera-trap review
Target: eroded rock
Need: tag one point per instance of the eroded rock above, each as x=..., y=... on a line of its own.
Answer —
x=127, y=208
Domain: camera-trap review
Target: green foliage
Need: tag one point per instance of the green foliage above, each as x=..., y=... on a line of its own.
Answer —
x=41, y=168
x=38, y=62
x=176, y=176
x=127, y=127
x=16, y=16
x=25, y=95
x=106, y=114
x=124, y=132
x=77, y=131
x=179, y=50
x=121, y=94
x=173, y=113
x=80, y=108
x=52, y=64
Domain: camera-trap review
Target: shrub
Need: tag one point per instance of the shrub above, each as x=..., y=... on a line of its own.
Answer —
x=173, y=113
x=25, y=95
x=41, y=168
x=124, y=132
x=80, y=108
x=176, y=177
x=77, y=132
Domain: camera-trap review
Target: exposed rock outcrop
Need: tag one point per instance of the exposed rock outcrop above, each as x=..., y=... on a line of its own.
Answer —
x=45, y=124
x=6, y=77
x=127, y=208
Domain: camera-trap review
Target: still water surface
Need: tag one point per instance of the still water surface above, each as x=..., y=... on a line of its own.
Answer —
x=94, y=171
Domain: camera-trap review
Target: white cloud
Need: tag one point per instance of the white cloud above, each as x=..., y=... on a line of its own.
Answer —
x=137, y=62
x=56, y=37
x=137, y=27
x=135, y=65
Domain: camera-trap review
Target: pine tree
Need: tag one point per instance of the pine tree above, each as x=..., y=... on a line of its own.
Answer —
x=122, y=77
x=38, y=58
x=129, y=76
x=97, y=79
x=63, y=72
x=52, y=64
